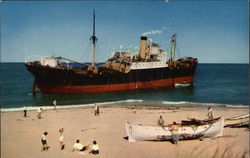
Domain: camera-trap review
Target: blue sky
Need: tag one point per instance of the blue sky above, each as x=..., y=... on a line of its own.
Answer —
x=212, y=31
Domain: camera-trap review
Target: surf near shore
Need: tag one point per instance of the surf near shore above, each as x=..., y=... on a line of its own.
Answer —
x=21, y=136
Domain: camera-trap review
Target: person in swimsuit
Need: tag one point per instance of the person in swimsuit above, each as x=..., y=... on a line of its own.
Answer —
x=174, y=130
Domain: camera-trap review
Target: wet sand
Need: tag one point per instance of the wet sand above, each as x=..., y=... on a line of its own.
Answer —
x=20, y=137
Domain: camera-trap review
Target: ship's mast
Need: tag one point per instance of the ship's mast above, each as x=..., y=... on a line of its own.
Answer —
x=172, y=52
x=94, y=39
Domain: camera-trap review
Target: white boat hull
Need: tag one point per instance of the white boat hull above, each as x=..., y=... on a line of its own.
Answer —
x=138, y=132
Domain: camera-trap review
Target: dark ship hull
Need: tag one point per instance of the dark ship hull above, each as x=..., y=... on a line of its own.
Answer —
x=65, y=80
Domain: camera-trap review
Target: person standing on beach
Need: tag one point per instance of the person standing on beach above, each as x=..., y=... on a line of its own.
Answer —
x=160, y=121
x=54, y=103
x=44, y=141
x=39, y=113
x=25, y=112
x=174, y=130
x=96, y=110
x=61, y=138
x=210, y=113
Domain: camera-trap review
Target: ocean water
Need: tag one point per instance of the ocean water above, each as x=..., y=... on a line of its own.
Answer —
x=215, y=84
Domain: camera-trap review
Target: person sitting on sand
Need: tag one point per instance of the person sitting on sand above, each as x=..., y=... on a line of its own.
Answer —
x=44, y=141
x=95, y=149
x=174, y=130
x=79, y=147
x=210, y=113
x=61, y=138
x=160, y=121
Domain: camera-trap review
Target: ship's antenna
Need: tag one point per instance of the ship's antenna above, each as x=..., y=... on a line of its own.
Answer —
x=94, y=39
x=172, y=53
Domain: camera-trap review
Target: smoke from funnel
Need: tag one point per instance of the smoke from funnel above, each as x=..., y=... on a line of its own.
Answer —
x=152, y=32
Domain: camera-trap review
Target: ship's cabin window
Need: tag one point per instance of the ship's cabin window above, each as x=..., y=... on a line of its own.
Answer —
x=154, y=57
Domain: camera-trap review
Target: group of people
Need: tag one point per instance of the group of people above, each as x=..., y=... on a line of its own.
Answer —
x=174, y=127
x=80, y=147
x=40, y=110
x=44, y=140
x=77, y=146
x=94, y=149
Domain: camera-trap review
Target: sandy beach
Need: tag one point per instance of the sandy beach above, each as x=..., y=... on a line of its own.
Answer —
x=21, y=137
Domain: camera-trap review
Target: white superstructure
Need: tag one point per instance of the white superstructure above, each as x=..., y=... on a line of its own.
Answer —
x=52, y=62
x=148, y=65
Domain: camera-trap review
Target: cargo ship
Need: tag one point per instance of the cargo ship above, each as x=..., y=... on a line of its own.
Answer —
x=149, y=68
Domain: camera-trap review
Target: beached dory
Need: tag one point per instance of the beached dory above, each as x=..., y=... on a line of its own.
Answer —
x=237, y=121
x=190, y=129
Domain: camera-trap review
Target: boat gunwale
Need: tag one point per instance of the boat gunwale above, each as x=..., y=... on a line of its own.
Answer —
x=179, y=124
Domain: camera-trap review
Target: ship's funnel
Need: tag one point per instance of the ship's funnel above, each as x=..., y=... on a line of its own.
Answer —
x=143, y=47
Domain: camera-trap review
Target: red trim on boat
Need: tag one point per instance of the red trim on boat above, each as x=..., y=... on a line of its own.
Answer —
x=60, y=89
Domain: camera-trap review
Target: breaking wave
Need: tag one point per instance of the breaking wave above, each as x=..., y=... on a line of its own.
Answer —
x=182, y=85
x=129, y=102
